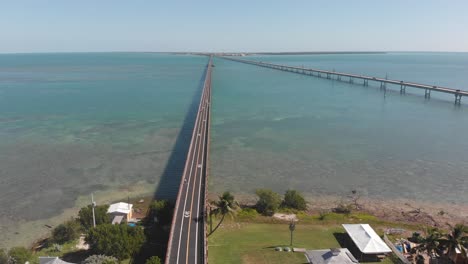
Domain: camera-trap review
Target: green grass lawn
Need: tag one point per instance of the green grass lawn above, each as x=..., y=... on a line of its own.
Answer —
x=241, y=242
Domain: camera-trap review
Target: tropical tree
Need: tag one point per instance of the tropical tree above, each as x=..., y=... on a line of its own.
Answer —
x=224, y=206
x=66, y=232
x=268, y=201
x=120, y=241
x=456, y=239
x=431, y=243
x=294, y=200
x=85, y=216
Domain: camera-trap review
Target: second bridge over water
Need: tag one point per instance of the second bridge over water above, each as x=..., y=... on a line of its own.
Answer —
x=352, y=77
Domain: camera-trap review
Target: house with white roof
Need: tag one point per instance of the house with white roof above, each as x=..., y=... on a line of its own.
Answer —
x=366, y=239
x=120, y=212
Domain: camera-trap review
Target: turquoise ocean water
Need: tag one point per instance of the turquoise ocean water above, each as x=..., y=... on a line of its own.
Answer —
x=281, y=130
x=72, y=124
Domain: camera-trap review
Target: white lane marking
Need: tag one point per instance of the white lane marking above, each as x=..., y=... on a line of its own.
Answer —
x=199, y=151
x=199, y=191
x=186, y=194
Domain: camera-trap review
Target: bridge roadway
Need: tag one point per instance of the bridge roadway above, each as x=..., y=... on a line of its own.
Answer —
x=329, y=74
x=187, y=240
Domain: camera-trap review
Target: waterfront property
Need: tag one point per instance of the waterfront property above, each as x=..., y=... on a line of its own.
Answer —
x=367, y=240
x=119, y=212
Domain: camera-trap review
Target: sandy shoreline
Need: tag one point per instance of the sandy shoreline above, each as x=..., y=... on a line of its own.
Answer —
x=394, y=210
x=24, y=233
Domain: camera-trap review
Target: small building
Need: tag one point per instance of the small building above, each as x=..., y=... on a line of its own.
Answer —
x=365, y=238
x=52, y=260
x=330, y=256
x=120, y=212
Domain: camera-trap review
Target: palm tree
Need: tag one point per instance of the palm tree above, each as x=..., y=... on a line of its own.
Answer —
x=456, y=239
x=431, y=242
x=224, y=206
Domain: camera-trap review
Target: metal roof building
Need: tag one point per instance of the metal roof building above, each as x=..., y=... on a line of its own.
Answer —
x=366, y=239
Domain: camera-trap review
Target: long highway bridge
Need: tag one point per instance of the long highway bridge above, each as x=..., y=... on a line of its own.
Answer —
x=187, y=240
x=352, y=77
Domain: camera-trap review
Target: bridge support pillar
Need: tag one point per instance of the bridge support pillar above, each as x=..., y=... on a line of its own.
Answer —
x=351, y=80
x=319, y=75
x=338, y=77
x=403, y=89
x=458, y=99
x=383, y=85
x=427, y=93
x=328, y=76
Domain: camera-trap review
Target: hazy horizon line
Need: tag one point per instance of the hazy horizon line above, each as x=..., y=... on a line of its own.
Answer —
x=241, y=52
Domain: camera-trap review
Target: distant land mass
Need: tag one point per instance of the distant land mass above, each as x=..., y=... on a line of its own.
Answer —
x=282, y=53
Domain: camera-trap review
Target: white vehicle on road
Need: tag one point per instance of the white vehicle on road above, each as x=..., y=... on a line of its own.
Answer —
x=187, y=214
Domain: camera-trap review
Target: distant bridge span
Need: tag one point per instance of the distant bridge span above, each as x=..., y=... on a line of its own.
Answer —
x=351, y=77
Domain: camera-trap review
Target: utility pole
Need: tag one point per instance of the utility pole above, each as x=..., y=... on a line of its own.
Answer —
x=292, y=227
x=93, y=204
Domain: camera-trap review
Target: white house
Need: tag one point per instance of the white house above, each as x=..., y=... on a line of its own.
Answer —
x=366, y=239
x=120, y=211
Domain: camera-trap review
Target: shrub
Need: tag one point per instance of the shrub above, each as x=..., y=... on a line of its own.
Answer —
x=20, y=255
x=153, y=260
x=66, y=232
x=120, y=241
x=294, y=200
x=100, y=259
x=247, y=214
x=85, y=216
x=268, y=201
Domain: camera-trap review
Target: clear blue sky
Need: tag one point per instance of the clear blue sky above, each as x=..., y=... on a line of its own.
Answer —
x=240, y=25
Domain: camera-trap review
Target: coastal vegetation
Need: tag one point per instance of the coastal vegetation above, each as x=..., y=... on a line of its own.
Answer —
x=268, y=201
x=294, y=200
x=225, y=205
x=85, y=216
x=144, y=242
x=443, y=244
x=65, y=232
x=251, y=235
x=120, y=241
x=153, y=260
x=16, y=255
